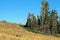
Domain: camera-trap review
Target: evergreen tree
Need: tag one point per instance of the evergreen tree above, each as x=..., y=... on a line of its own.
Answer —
x=28, y=20
x=44, y=16
x=32, y=21
x=47, y=22
x=38, y=20
x=59, y=24
x=44, y=12
x=54, y=21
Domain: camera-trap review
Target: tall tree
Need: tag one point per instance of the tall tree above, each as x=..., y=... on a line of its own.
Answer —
x=59, y=24
x=44, y=11
x=47, y=22
x=54, y=21
x=44, y=16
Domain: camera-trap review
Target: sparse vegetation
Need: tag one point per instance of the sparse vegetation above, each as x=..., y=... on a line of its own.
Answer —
x=35, y=28
x=11, y=32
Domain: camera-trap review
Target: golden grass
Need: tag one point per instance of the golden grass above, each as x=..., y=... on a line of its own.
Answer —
x=11, y=31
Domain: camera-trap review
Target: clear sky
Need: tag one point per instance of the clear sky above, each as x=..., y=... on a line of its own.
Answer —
x=17, y=10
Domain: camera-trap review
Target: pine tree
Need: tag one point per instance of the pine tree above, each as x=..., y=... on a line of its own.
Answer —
x=59, y=24
x=32, y=21
x=47, y=22
x=28, y=23
x=54, y=21
x=38, y=20
x=44, y=16
x=44, y=11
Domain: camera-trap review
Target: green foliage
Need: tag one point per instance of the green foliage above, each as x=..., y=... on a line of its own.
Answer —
x=38, y=20
x=32, y=21
x=54, y=21
x=45, y=23
x=44, y=13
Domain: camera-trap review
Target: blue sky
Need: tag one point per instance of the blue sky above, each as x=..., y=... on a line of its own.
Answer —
x=17, y=10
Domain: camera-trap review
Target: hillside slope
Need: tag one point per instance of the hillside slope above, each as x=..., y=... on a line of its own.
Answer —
x=12, y=31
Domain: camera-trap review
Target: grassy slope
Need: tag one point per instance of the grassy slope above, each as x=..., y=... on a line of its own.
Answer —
x=10, y=31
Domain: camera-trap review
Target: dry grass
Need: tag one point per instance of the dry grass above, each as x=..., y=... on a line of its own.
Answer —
x=9, y=31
